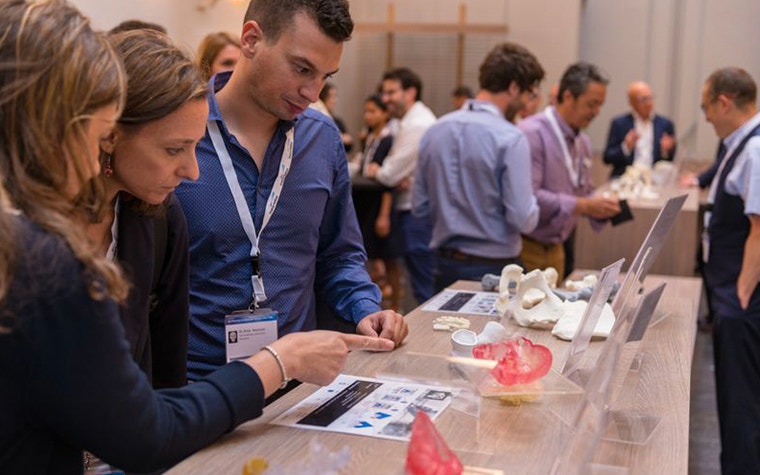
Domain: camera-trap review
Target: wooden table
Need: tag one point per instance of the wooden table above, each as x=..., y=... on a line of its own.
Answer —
x=595, y=250
x=521, y=440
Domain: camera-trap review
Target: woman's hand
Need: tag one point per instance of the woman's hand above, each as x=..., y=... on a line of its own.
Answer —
x=311, y=357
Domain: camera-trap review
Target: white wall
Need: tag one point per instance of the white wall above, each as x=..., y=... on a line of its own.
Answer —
x=674, y=45
x=107, y=14
x=541, y=25
x=549, y=28
x=182, y=18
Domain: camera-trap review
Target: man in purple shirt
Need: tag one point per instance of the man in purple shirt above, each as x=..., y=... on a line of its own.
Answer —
x=561, y=166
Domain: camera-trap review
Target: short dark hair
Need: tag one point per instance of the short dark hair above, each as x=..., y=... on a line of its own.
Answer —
x=377, y=99
x=129, y=25
x=734, y=82
x=463, y=91
x=507, y=63
x=274, y=16
x=407, y=78
x=577, y=78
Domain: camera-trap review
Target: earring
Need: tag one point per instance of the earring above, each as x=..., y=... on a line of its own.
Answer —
x=108, y=169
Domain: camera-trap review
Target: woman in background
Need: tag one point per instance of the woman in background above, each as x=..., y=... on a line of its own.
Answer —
x=374, y=207
x=68, y=382
x=218, y=52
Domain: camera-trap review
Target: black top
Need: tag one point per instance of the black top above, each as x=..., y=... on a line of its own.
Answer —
x=68, y=382
x=367, y=202
x=157, y=336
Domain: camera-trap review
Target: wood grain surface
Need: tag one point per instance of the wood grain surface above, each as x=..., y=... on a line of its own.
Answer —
x=523, y=439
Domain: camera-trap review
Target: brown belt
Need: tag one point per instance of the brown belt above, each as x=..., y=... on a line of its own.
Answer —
x=464, y=257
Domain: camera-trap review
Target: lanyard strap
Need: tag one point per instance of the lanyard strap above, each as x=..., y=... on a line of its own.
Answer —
x=257, y=282
x=483, y=106
x=574, y=173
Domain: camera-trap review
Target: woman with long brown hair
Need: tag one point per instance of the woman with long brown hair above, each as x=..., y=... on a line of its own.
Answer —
x=150, y=151
x=68, y=382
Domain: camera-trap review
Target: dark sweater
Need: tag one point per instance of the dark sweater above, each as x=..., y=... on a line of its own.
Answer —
x=68, y=382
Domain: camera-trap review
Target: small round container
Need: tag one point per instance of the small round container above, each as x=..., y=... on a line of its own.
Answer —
x=462, y=342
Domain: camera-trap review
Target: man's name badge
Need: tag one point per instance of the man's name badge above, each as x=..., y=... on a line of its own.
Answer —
x=247, y=331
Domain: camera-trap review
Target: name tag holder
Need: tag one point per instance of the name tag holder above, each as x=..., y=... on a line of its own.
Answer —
x=247, y=331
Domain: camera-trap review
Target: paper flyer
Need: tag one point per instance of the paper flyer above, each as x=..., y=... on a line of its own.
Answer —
x=366, y=406
x=464, y=301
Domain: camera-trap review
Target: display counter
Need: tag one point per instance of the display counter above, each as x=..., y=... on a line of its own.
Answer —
x=594, y=250
x=521, y=439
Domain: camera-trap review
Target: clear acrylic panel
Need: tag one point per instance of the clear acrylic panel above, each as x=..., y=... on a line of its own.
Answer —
x=602, y=290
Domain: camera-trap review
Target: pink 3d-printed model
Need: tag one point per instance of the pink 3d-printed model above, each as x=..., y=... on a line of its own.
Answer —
x=428, y=453
x=519, y=361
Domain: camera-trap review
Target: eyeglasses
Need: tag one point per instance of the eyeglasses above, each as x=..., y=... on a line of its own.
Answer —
x=726, y=96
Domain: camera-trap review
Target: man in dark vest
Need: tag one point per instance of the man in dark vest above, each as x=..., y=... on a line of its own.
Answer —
x=733, y=265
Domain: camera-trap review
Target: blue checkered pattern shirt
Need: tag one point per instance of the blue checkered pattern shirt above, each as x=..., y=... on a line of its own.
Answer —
x=311, y=249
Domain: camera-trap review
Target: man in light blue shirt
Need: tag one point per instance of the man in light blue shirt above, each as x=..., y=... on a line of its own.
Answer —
x=474, y=173
x=732, y=270
x=309, y=245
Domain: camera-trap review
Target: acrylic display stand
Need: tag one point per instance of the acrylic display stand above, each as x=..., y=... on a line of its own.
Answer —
x=577, y=454
x=625, y=298
x=647, y=253
x=594, y=420
x=630, y=426
x=580, y=342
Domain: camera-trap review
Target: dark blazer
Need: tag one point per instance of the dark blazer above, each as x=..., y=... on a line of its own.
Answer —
x=156, y=331
x=613, y=152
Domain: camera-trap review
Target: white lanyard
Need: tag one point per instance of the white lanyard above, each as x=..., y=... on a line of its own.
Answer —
x=113, y=248
x=571, y=170
x=243, y=210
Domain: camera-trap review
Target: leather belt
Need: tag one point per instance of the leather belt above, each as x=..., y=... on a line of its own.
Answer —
x=464, y=257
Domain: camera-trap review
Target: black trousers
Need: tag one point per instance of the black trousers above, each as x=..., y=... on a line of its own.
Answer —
x=736, y=340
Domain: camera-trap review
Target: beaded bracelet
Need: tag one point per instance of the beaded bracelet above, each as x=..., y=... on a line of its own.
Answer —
x=285, y=379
